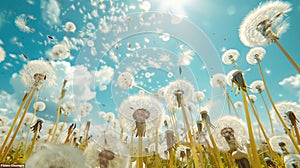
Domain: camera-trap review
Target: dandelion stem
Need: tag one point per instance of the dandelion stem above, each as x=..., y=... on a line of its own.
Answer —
x=265, y=104
x=121, y=133
x=276, y=110
x=228, y=103
x=273, y=155
x=140, y=151
x=18, y=126
x=287, y=55
x=297, y=132
x=156, y=149
x=192, y=143
x=256, y=161
x=234, y=109
x=56, y=122
x=215, y=149
x=61, y=128
x=15, y=120
x=199, y=147
x=171, y=161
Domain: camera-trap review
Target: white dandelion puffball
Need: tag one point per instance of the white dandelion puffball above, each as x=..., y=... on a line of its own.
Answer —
x=107, y=151
x=39, y=106
x=291, y=160
x=125, y=80
x=230, y=56
x=238, y=126
x=198, y=96
x=68, y=107
x=183, y=85
x=2, y=54
x=21, y=23
x=56, y=156
x=31, y=72
x=84, y=109
x=218, y=80
x=282, y=144
x=110, y=116
x=285, y=107
x=254, y=54
x=60, y=52
x=257, y=86
x=141, y=108
x=268, y=15
x=253, y=98
x=28, y=118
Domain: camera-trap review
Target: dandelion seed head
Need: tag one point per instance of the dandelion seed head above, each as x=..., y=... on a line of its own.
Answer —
x=186, y=87
x=68, y=107
x=125, y=80
x=218, y=80
x=110, y=117
x=107, y=150
x=84, y=109
x=254, y=54
x=257, y=86
x=230, y=56
x=238, y=104
x=281, y=144
x=238, y=126
x=21, y=23
x=39, y=106
x=141, y=108
x=198, y=96
x=271, y=12
x=38, y=67
x=253, y=98
x=292, y=160
x=283, y=108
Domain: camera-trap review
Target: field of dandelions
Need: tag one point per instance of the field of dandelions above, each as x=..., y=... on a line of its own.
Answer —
x=167, y=129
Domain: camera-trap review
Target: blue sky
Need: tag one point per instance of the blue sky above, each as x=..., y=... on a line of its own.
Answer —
x=219, y=21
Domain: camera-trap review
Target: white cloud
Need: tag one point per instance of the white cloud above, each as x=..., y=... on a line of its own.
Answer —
x=292, y=83
x=50, y=12
x=104, y=75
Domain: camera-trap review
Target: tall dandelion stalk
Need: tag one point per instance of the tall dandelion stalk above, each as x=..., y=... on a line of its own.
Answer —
x=238, y=79
x=62, y=95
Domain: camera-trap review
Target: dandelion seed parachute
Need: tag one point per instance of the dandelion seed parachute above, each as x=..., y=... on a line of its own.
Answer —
x=21, y=23
x=2, y=54
x=70, y=27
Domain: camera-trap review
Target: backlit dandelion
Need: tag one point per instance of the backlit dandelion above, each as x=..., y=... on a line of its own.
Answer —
x=22, y=23
x=255, y=54
x=38, y=74
x=265, y=24
x=292, y=161
x=218, y=80
x=198, y=96
x=236, y=135
x=39, y=106
x=230, y=56
x=125, y=80
x=282, y=144
x=257, y=86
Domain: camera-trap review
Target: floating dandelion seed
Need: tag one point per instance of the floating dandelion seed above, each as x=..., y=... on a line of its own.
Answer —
x=21, y=23
x=70, y=27
x=230, y=56
x=38, y=73
x=257, y=86
x=141, y=110
x=110, y=117
x=165, y=36
x=238, y=104
x=39, y=106
x=2, y=54
x=56, y=156
x=60, y=52
x=255, y=54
